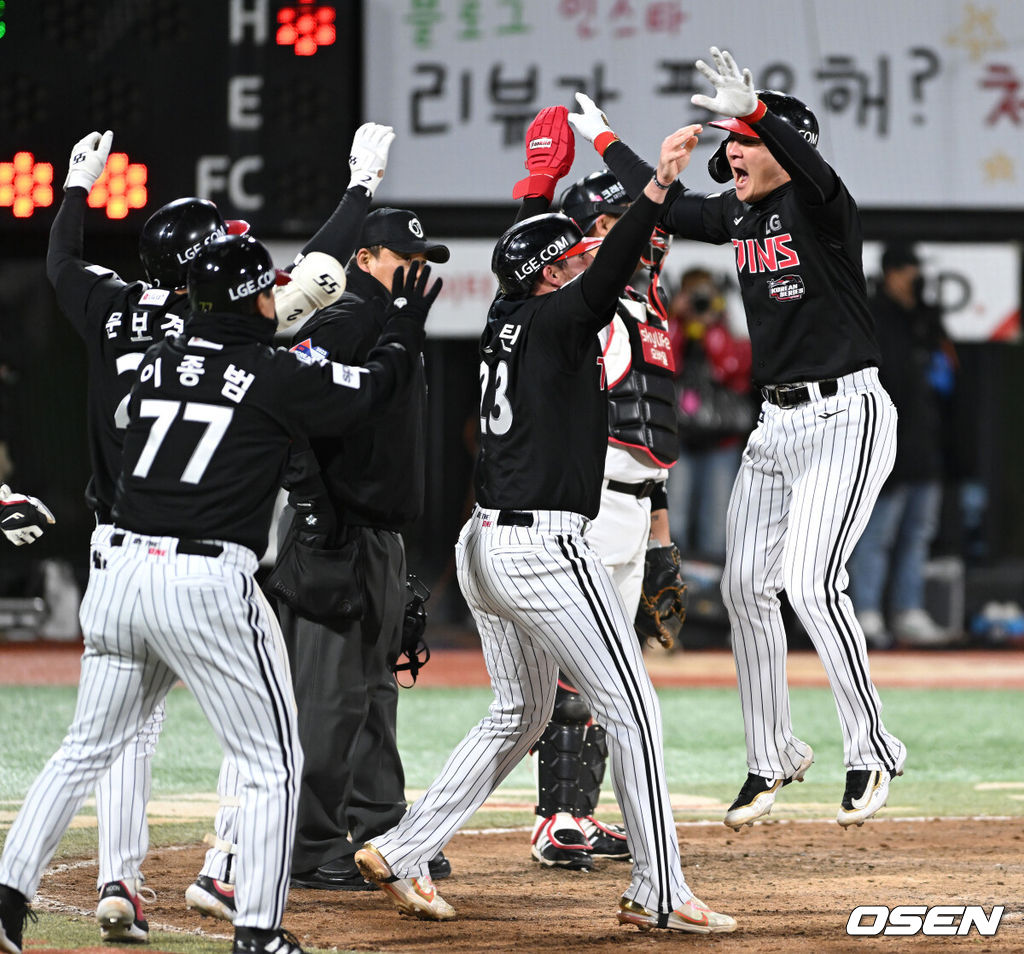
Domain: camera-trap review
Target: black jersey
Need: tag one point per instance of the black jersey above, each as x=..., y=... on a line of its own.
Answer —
x=798, y=259
x=211, y=417
x=543, y=409
x=118, y=321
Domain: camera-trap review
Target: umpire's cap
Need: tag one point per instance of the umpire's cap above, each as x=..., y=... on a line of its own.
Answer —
x=788, y=108
x=593, y=196
x=523, y=250
x=229, y=274
x=400, y=230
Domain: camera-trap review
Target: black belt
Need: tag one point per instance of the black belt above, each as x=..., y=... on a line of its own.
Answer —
x=515, y=518
x=185, y=547
x=791, y=395
x=646, y=489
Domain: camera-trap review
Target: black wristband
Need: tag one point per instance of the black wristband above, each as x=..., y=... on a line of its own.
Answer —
x=654, y=179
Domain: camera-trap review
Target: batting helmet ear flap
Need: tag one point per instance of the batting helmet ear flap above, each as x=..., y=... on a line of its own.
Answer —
x=718, y=165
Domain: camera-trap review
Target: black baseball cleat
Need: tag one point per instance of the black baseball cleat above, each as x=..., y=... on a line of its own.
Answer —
x=440, y=867
x=211, y=898
x=119, y=913
x=757, y=795
x=558, y=842
x=14, y=910
x=340, y=874
x=606, y=840
x=867, y=791
x=270, y=941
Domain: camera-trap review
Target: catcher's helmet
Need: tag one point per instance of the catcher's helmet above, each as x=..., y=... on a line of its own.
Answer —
x=173, y=235
x=228, y=274
x=523, y=251
x=788, y=108
x=592, y=196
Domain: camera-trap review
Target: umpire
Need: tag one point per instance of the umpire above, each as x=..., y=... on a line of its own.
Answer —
x=353, y=785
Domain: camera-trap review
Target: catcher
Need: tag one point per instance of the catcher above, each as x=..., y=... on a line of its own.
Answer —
x=631, y=532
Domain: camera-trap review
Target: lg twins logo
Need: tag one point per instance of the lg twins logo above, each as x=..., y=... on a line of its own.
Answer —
x=943, y=920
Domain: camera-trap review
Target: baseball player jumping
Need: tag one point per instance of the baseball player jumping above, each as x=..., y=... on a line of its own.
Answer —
x=541, y=597
x=825, y=441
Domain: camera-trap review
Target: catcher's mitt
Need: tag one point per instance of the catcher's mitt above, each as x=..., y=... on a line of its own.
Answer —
x=663, y=600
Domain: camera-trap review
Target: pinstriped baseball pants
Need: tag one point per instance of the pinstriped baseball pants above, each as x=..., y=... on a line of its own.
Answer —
x=150, y=616
x=806, y=486
x=543, y=601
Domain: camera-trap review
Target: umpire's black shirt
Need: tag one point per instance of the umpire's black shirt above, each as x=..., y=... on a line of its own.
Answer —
x=798, y=259
x=212, y=414
x=544, y=411
x=374, y=472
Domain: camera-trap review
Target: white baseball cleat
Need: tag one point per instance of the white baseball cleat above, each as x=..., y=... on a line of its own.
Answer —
x=416, y=897
x=757, y=796
x=694, y=917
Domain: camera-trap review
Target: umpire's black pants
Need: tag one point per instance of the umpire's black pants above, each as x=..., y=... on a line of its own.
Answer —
x=353, y=785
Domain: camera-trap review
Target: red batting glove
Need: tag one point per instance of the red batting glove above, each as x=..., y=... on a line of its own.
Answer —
x=550, y=151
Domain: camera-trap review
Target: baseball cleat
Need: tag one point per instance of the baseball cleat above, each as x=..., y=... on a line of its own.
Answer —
x=269, y=941
x=867, y=791
x=14, y=910
x=416, y=897
x=212, y=898
x=119, y=913
x=606, y=841
x=694, y=917
x=757, y=796
x=559, y=842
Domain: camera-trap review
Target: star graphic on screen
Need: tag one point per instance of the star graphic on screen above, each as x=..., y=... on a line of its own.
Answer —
x=999, y=167
x=977, y=33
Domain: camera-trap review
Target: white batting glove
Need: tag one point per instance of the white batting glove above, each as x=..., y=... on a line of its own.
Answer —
x=316, y=281
x=369, y=156
x=88, y=159
x=592, y=124
x=22, y=519
x=734, y=91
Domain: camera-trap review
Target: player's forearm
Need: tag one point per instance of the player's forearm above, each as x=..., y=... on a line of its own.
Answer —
x=67, y=234
x=812, y=176
x=339, y=235
x=617, y=258
x=660, y=528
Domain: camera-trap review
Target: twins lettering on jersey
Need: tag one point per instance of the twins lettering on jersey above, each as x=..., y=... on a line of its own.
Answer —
x=773, y=254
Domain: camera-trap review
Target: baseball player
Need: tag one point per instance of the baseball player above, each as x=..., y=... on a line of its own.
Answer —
x=118, y=321
x=825, y=440
x=541, y=597
x=173, y=595
x=22, y=519
x=629, y=533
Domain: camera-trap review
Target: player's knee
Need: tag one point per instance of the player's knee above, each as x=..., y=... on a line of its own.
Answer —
x=570, y=709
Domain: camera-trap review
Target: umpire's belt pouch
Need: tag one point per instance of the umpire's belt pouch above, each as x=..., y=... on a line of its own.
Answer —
x=319, y=584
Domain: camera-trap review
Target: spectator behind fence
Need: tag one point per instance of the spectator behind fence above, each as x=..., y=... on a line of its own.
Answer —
x=715, y=412
x=917, y=370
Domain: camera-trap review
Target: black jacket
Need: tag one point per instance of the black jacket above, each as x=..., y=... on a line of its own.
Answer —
x=374, y=473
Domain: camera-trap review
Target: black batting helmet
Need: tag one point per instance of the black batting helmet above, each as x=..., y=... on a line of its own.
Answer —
x=593, y=196
x=173, y=235
x=228, y=274
x=523, y=251
x=788, y=108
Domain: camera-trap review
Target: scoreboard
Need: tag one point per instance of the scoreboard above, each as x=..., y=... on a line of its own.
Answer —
x=249, y=103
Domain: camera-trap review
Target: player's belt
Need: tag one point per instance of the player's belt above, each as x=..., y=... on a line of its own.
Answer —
x=184, y=547
x=645, y=489
x=515, y=518
x=792, y=395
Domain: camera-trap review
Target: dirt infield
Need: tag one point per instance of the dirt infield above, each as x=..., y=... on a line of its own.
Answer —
x=791, y=886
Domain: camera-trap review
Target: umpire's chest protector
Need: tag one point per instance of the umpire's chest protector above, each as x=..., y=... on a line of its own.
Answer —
x=641, y=394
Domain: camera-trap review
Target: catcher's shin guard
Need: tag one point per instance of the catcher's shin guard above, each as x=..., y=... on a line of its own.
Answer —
x=593, y=760
x=559, y=753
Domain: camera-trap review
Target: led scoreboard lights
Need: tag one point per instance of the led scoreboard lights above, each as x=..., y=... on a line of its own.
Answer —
x=257, y=114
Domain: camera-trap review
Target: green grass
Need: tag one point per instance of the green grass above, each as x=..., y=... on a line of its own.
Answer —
x=957, y=741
